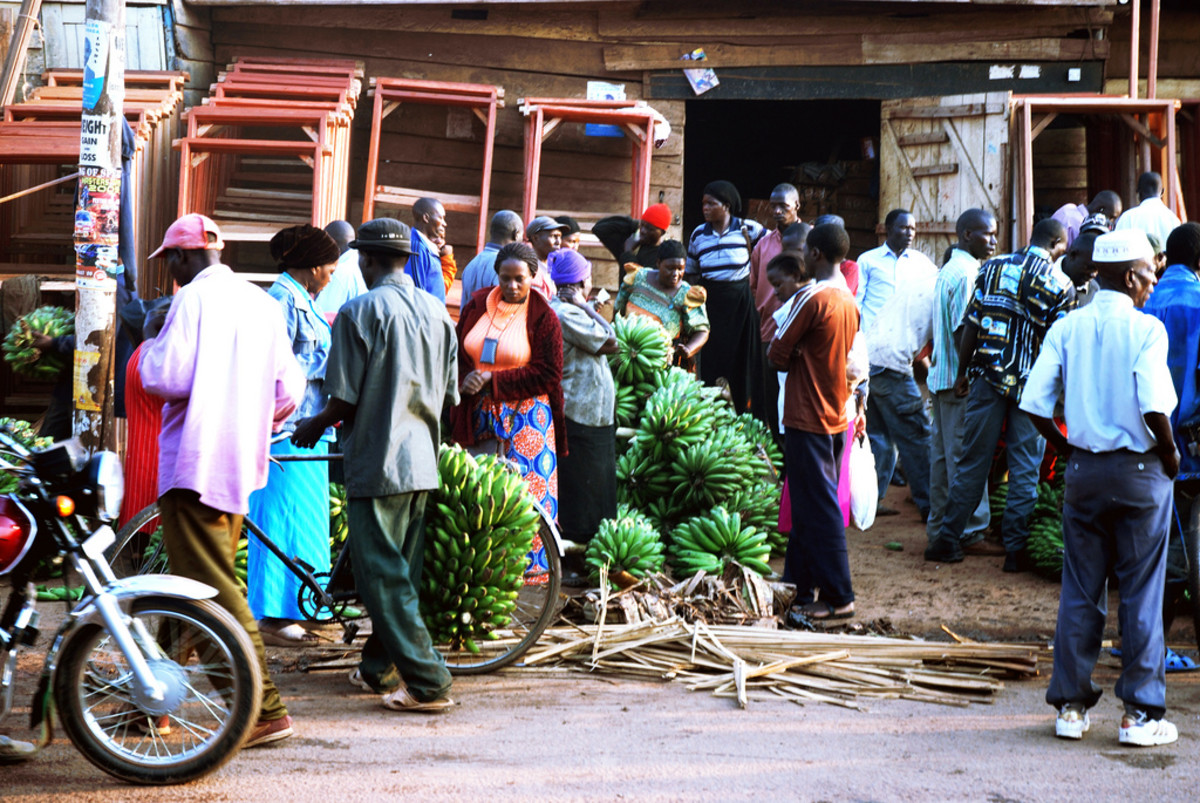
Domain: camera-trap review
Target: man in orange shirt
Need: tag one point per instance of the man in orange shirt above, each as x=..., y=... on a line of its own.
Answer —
x=812, y=345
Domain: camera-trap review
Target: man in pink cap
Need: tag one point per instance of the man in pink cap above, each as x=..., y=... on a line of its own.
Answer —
x=223, y=362
x=635, y=241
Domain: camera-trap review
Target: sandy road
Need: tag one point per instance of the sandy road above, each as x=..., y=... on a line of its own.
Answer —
x=527, y=736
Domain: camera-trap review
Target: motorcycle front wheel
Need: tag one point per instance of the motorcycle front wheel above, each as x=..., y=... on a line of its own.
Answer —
x=213, y=693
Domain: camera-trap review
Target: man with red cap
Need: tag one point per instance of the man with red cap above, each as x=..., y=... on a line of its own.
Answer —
x=632, y=241
x=223, y=362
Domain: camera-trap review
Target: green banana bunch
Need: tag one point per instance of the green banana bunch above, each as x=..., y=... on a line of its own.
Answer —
x=18, y=344
x=708, y=541
x=1045, y=545
x=628, y=408
x=479, y=529
x=768, y=459
x=676, y=417
x=710, y=471
x=628, y=543
x=758, y=506
x=23, y=433
x=997, y=499
x=339, y=524
x=639, y=481
x=643, y=349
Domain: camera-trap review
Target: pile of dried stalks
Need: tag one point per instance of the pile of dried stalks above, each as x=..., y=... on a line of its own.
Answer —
x=666, y=636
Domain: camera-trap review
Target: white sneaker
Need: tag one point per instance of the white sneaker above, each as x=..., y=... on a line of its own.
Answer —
x=1071, y=723
x=1142, y=731
x=356, y=680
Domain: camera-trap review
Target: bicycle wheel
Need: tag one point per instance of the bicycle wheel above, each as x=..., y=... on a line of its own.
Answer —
x=136, y=550
x=537, y=604
x=213, y=694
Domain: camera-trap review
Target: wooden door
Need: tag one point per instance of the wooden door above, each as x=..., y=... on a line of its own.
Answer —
x=145, y=35
x=940, y=156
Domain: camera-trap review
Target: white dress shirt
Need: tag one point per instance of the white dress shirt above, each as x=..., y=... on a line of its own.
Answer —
x=1109, y=362
x=903, y=324
x=1151, y=216
x=880, y=271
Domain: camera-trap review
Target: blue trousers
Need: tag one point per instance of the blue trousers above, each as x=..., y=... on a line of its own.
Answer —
x=896, y=421
x=816, y=552
x=1123, y=525
x=987, y=412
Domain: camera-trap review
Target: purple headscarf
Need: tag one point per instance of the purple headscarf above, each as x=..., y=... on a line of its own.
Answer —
x=568, y=266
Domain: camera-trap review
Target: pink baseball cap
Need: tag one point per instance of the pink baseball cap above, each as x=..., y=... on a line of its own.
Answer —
x=191, y=233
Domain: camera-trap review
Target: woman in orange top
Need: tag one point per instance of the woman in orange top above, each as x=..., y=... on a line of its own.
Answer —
x=510, y=375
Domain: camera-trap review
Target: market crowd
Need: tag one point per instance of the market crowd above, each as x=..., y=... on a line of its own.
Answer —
x=1059, y=345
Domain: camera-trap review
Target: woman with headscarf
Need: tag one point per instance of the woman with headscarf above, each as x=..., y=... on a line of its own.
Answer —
x=587, y=477
x=661, y=294
x=294, y=506
x=510, y=363
x=719, y=261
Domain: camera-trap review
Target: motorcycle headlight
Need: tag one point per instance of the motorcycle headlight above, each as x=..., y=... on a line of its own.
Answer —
x=108, y=481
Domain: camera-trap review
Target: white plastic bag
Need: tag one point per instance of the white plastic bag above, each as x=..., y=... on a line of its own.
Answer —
x=864, y=486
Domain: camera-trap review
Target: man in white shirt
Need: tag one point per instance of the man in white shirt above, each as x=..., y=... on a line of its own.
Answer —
x=896, y=417
x=882, y=272
x=1108, y=361
x=1151, y=215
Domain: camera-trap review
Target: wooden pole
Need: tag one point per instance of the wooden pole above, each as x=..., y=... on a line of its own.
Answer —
x=97, y=216
x=1135, y=42
x=15, y=57
x=1152, y=62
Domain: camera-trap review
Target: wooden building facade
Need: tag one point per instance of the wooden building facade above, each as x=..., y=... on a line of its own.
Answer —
x=863, y=105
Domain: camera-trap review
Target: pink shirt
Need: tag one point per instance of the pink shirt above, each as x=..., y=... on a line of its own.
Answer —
x=224, y=364
x=765, y=301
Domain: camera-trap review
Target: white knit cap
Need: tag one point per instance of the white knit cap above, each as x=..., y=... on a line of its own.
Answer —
x=1125, y=245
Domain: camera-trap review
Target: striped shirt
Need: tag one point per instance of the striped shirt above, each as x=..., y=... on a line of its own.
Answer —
x=1017, y=298
x=723, y=256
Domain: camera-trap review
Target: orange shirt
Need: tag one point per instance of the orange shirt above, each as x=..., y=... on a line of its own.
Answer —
x=506, y=323
x=815, y=346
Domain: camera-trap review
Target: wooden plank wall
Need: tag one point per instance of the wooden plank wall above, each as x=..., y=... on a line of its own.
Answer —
x=551, y=50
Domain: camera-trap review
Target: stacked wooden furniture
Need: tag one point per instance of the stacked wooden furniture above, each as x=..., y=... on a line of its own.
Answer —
x=39, y=156
x=544, y=115
x=270, y=148
x=39, y=147
x=389, y=94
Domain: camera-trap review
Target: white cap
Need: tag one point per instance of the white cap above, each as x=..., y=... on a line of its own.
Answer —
x=1126, y=245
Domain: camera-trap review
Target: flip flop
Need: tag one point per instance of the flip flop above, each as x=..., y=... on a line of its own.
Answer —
x=1179, y=663
x=290, y=635
x=823, y=612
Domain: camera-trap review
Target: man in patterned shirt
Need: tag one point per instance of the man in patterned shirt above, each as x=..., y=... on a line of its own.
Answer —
x=1017, y=297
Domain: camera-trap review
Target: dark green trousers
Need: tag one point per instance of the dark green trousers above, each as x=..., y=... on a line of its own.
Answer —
x=201, y=543
x=387, y=548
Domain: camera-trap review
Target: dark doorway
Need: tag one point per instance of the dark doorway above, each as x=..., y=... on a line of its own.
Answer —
x=827, y=148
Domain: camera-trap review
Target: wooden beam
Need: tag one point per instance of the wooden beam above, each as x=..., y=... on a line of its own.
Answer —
x=935, y=170
x=936, y=138
x=1152, y=64
x=17, y=48
x=1135, y=38
x=1141, y=128
x=1041, y=124
x=937, y=112
x=851, y=50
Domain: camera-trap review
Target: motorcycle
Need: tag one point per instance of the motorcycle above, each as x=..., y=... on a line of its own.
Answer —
x=152, y=681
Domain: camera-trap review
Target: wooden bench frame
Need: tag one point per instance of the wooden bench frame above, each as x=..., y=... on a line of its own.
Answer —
x=544, y=115
x=481, y=99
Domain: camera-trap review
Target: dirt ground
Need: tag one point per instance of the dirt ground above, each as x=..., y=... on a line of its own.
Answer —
x=520, y=734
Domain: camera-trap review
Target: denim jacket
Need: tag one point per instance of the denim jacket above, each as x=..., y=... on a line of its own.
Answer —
x=311, y=338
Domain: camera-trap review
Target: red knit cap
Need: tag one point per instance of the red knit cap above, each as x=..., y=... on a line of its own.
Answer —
x=658, y=216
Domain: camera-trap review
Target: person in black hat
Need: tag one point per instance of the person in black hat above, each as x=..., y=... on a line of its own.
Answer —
x=392, y=368
x=719, y=261
x=572, y=234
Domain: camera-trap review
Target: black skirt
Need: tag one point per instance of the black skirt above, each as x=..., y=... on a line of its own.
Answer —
x=587, y=481
x=733, y=338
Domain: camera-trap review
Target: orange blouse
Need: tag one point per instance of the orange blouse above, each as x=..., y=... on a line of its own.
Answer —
x=506, y=323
